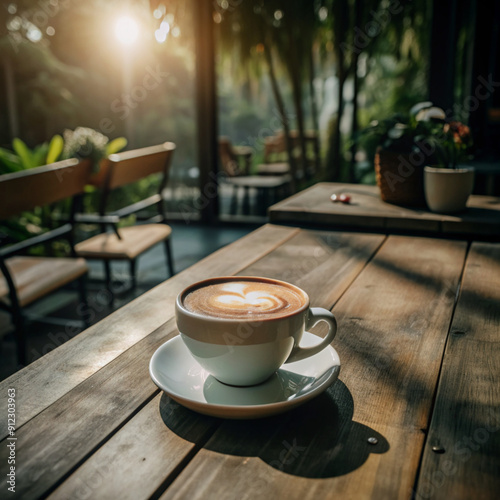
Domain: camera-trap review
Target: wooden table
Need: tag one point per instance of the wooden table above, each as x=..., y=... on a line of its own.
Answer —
x=418, y=340
x=313, y=207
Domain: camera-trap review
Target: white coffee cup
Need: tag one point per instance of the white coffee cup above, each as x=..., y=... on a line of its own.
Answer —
x=248, y=351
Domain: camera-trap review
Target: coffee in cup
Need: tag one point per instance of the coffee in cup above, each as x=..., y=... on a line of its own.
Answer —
x=244, y=299
x=242, y=329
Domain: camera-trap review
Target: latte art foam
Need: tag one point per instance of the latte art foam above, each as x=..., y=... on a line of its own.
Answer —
x=239, y=299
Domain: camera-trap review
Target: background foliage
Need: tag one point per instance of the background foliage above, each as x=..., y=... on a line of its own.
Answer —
x=325, y=65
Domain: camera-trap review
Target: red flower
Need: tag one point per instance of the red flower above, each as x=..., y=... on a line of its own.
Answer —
x=459, y=132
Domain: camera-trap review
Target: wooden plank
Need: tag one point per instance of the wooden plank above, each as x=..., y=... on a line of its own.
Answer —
x=335, y=249
x=482, y=217
x=53, y=443
x=33, y=281
x=393, y=322
x=133, y=241
x=56, y=373
x=466, y=418
x=417, y=221
x=367, y=210
x=150, y=446
x=317, y=217
x=40, y=186
x=313, y=206
x=323, y=263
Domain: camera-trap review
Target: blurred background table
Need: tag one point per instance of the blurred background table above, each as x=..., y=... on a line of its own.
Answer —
x=313, y=207
x=414, y=414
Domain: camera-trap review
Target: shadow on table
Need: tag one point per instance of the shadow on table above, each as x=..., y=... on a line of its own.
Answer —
x=317, y=440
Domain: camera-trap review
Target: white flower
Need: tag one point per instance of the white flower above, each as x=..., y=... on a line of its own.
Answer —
x=84, y=142
x=419, y=106
x=397, y=131
x=430, y=113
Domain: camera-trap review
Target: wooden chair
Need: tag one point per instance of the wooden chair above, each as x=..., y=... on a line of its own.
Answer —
x=128, y=243
x=282, y=168
x=235, y=160
x=27, y=278
x=236, y=174
x=275, y=148
x=275, y=157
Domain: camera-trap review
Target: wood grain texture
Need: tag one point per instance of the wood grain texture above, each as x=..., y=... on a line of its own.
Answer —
x=481, y=218
x=49, y=446
x=168, y=434
x=134, y=240
x=93, y=425
x=393, y=322
x=313, y=206
x=367, y=210
x=466, y=418
x=32, y=279
x=322, y=263
x=130, y=166
x=145, y=448
x=59, y=371
x=35, y=187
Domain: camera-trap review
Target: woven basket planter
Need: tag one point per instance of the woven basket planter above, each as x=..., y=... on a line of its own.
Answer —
x=399, y=178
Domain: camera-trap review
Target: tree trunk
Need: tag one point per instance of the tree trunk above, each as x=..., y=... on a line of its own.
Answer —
x=282, y=112
x=314, y=108
x=360, y=7
x=354, y=126
x=10, y=88
x=246, y=89
x=335, y=156
x=294, y=70
x=312, y=92
x=297, y=101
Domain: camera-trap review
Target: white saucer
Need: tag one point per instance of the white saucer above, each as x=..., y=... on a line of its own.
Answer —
x=176, y=372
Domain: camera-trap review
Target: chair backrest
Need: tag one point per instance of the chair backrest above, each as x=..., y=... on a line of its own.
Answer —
x=128, y=167
x=227, y=157
x=274, y=146
x=24, y=190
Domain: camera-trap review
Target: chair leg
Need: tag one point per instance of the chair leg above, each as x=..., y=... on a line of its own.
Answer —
x=275, y=196
x=233, y=208
x=245, y=210
x=82, y=292
x=267, y=196
x=262, y=201
x=107, y=270
x=278, y=194
x=133, y=277
x=168, y=252
x=20, y=335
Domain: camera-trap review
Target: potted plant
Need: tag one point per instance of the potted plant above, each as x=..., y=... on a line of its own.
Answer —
x=402, y=152
x=87, y=143
x=448, y=184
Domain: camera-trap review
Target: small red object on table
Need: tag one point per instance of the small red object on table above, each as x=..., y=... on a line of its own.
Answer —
x=343, y=198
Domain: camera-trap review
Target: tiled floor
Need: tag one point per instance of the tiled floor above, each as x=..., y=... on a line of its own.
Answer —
x=190, y=243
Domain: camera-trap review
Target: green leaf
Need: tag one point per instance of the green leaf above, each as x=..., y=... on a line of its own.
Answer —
x=24, y=153
x=39, y=154
x=116, y=145
x=55, y=149
x=11, y=162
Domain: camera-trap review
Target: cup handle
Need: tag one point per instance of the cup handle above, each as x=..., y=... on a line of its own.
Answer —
x=316, y=314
